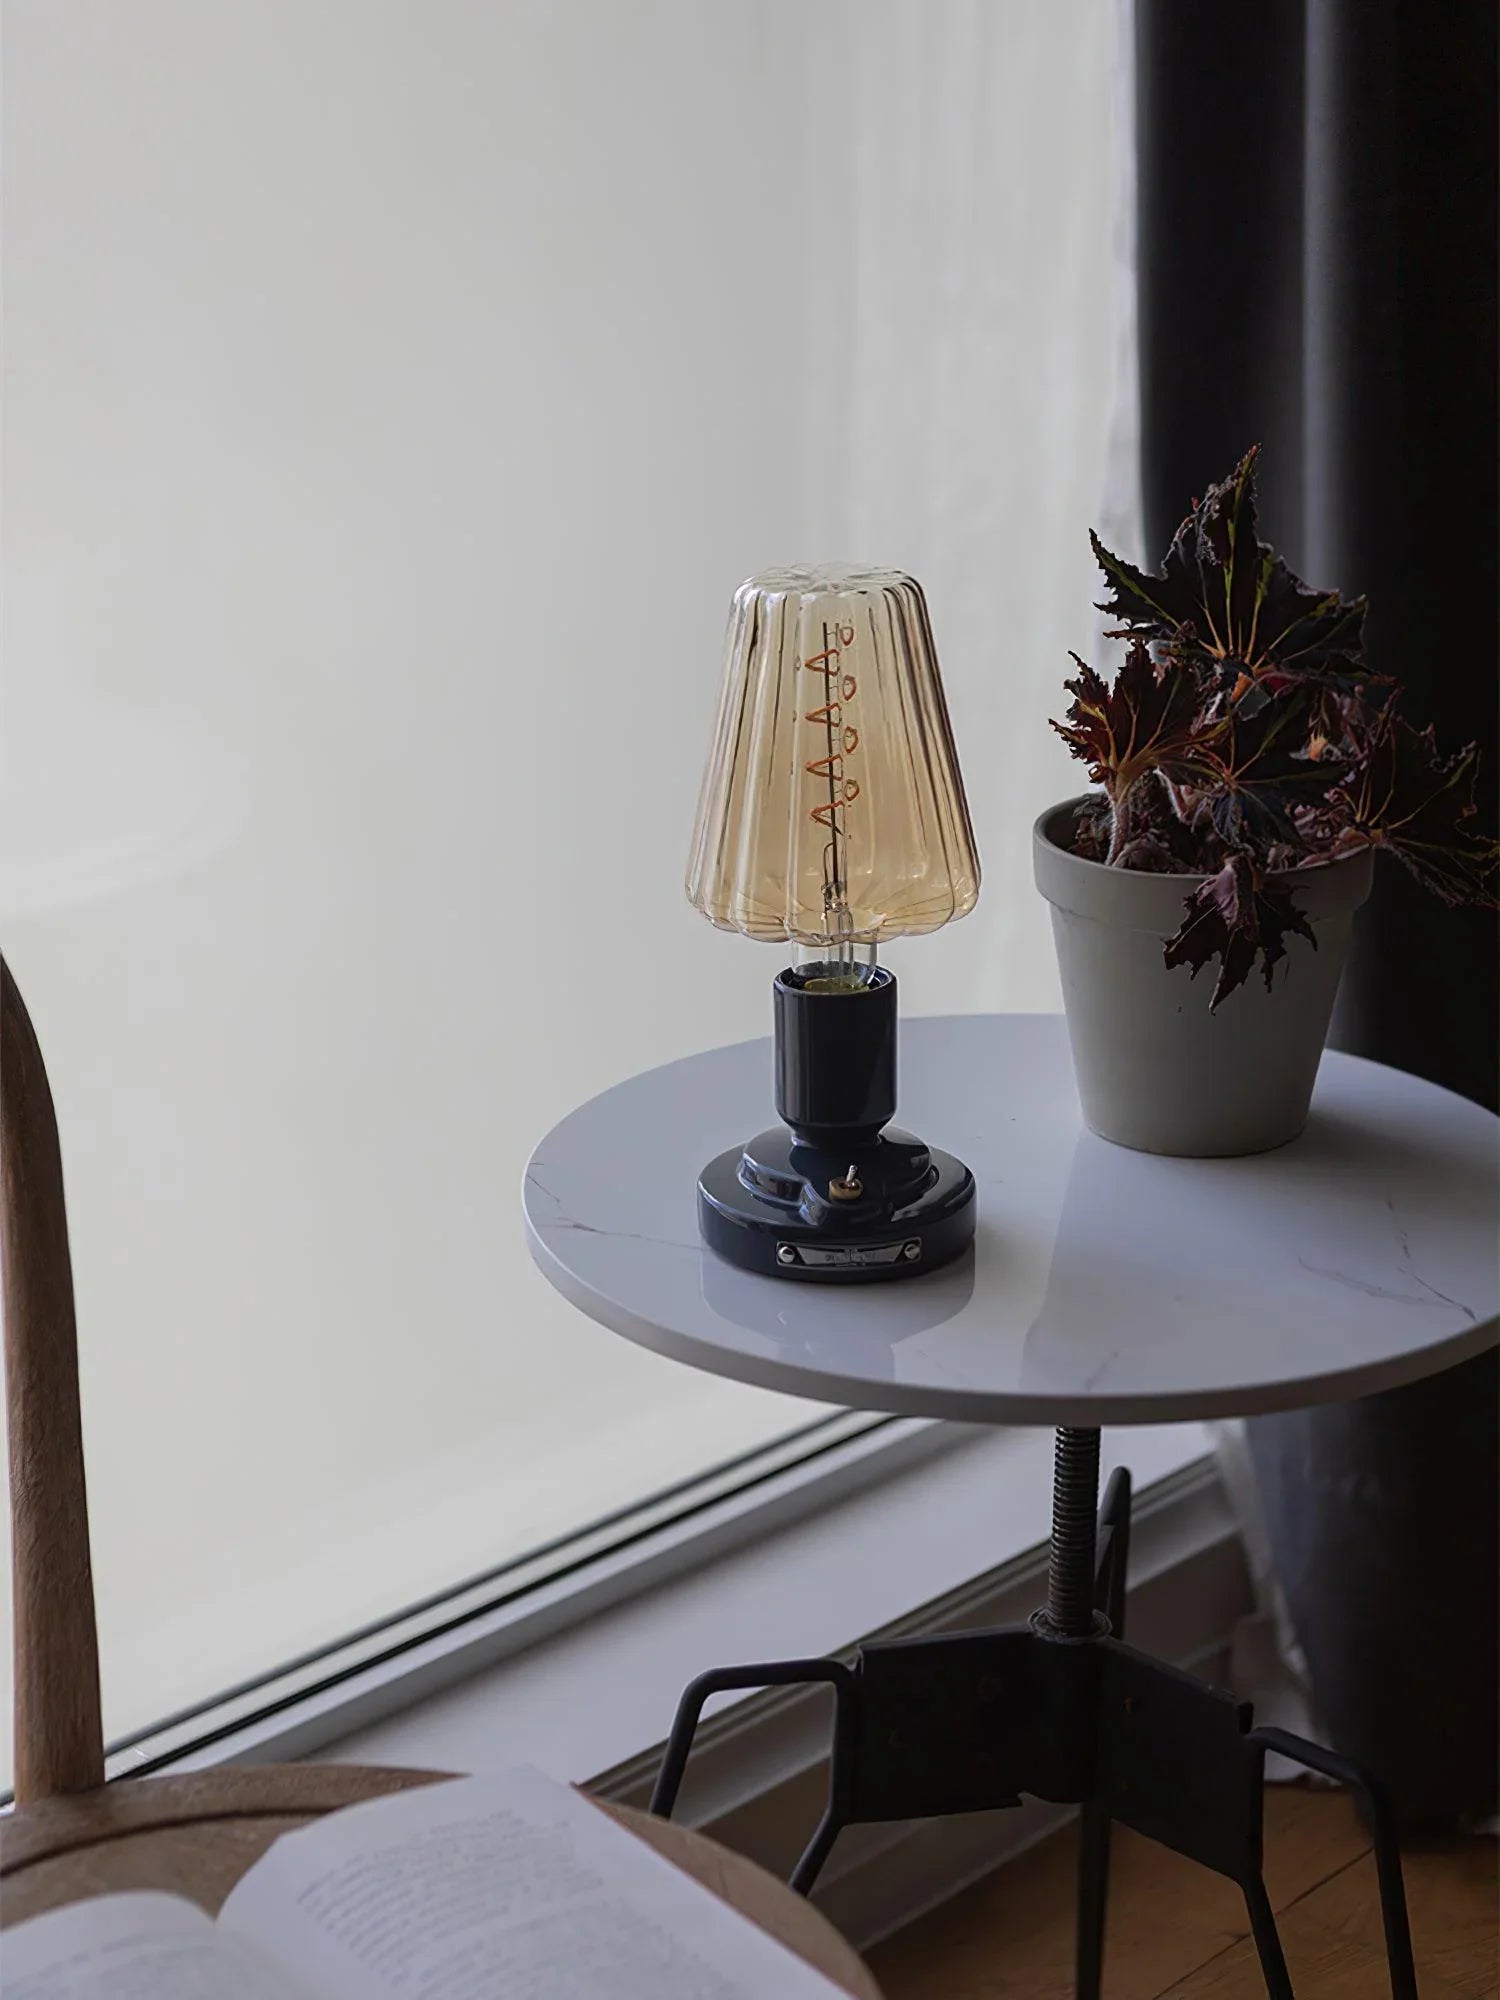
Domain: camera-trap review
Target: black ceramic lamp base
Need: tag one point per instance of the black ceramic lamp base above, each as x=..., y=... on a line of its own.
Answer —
x=767, y=1208
x=831, y=1198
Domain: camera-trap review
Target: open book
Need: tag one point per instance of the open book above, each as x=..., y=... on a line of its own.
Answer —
x=504, y=1888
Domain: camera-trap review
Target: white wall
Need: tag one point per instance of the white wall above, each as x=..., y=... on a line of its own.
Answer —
x=395, y=394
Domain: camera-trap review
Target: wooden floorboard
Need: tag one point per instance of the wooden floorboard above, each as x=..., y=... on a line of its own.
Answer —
x=1179, y=1933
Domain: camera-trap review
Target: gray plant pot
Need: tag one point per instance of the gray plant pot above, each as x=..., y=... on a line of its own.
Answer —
x=1155, y=1069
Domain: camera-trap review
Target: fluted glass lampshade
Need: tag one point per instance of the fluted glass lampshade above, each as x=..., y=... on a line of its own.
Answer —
x=832, y=811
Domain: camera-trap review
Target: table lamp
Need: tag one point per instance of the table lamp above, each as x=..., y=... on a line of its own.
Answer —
x=832, y=816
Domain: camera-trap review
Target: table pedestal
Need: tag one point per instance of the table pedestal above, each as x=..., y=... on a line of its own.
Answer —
x=1062, y=1709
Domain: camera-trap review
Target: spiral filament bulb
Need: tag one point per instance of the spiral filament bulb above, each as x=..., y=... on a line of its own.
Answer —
x=832, y=813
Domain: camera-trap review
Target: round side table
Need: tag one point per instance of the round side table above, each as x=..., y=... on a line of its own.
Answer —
x=1104, y=1287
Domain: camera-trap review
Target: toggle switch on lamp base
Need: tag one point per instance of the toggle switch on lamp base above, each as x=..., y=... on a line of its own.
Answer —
x=833, y=817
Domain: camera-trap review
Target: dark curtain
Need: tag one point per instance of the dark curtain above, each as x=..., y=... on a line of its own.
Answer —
x=1318, y=256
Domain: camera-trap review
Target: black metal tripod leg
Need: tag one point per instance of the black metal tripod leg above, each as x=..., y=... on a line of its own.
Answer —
x=1393, y=1916
x=777, y=1673
x=723, y=1680
x=1267, y=1940
x=817, y=1851
x=1112, y=1553
x=1252, y=1880
x=1093, y=1898
x=841, y=1771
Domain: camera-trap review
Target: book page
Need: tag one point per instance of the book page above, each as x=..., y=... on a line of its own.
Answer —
x=136, y=1947
x=504, y=1888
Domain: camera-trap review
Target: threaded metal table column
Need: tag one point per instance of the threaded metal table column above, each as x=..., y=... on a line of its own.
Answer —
x=1070, y=1563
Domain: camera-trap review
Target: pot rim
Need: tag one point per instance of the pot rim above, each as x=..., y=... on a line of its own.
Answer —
x=1138, y=900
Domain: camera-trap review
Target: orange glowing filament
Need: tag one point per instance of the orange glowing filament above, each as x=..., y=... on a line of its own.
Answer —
x=840, y=741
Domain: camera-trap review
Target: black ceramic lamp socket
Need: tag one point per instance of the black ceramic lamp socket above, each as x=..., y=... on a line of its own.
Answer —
x=835, y=1053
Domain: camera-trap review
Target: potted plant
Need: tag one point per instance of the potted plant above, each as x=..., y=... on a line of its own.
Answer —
x=1250, y=765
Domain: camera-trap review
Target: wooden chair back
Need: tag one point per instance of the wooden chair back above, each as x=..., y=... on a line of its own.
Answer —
x=59, y=1738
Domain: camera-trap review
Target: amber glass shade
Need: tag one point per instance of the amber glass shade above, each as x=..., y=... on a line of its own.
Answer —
x=832, y=809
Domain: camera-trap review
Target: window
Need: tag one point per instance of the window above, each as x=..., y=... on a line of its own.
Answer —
x=396, y=396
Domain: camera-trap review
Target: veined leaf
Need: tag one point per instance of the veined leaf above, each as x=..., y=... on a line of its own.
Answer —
x=1237, y=916
x=1123, y=731
x=1410, y=799
x=1226, y=598
x=1260, y=770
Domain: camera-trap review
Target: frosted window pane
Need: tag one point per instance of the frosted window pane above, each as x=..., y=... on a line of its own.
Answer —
x=395, y=396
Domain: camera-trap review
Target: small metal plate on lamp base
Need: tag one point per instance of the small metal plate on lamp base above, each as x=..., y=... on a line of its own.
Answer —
x=771, y=1207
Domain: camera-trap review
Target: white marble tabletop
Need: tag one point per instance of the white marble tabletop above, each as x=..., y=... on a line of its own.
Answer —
x=1105, y=1286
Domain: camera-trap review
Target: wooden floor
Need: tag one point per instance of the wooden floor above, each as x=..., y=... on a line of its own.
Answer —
x=1179, y=1933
